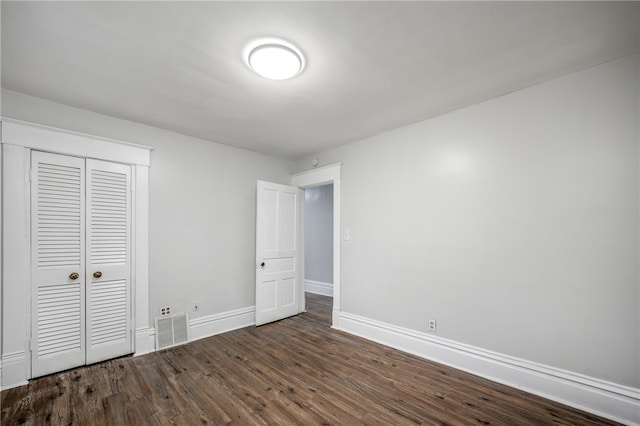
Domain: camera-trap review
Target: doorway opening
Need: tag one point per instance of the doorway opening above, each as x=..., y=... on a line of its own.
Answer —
x=318, y=251
x=322, y=176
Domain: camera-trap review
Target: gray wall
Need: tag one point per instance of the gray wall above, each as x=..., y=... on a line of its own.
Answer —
x=318, y=234
x=202, y=206
x=513, y=222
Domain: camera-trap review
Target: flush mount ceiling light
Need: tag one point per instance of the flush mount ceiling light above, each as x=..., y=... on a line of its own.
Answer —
x=274, y=59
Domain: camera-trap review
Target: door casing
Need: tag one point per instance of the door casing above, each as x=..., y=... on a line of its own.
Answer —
x=326, y=175
x=18, y=139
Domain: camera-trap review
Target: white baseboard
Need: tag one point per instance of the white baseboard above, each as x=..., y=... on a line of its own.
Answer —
x=606, y=399
x=221, y=323
x=13, y=366
x=335, y=318
x=201, y=327
x=14, y=370
x=145, y=340
x=318, y=287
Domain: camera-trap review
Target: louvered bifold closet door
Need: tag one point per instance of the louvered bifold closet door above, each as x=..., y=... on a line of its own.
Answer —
x=57, y=262
x=108, y=260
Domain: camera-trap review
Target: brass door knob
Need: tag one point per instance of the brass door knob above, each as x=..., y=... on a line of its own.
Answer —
x=74, y=276
x=97, y=274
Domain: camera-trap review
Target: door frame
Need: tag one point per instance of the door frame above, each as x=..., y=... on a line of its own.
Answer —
x=326, y=175
x=19, y=138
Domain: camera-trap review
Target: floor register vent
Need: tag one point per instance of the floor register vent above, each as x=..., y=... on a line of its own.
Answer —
x=172, y=331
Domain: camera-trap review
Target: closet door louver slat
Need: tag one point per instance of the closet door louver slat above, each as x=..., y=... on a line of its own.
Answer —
x=109, y=300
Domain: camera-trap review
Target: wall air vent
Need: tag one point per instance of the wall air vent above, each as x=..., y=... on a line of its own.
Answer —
x=172, y=331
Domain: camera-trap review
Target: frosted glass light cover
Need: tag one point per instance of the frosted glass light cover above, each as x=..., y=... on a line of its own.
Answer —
x=275, y=61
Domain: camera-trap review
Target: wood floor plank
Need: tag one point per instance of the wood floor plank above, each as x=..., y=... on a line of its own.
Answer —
x=297, y=371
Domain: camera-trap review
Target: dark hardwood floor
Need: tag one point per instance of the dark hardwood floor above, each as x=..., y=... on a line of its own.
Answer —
x=296, y=371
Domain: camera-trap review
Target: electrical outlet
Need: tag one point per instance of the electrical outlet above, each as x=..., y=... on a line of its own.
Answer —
x=432, y=325
x=165, y=310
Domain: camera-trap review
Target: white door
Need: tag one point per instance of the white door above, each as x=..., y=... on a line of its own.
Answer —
x=57, y=265
x=81, y=211
x=278, y=275
x=108, y=272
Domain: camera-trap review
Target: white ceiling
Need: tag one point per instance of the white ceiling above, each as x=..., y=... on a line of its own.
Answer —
x=371, y=66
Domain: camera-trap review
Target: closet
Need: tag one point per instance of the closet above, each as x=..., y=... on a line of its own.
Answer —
x=81, y=213
x=75, y=250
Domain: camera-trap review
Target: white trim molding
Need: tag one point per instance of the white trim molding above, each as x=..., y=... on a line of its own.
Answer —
x=145, y=341
x=317, y=177
x=223, y=322
x=318, y=287
x=606, y=399
x=61, y=141
x=200, y=328
x=140, y=267
x=14, y=368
